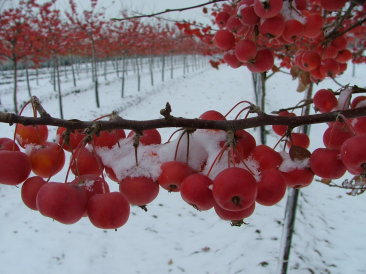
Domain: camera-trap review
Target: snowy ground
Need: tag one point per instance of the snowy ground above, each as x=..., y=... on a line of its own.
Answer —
x=172, y=237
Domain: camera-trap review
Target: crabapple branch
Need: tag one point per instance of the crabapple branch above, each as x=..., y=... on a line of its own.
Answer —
x=170, y=121
x=167, y=11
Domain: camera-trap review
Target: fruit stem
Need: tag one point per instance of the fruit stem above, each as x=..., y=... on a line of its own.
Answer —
x=241, y=102
x=217, y=157
x=102, y=117
x=178, y=143
x=100, y=164
x=136, y=142
x=240, y=112
x=171, y=136
x=282, y=137
x=188, y=143
x=73, y=157
x=60, y=151
x=237, y=222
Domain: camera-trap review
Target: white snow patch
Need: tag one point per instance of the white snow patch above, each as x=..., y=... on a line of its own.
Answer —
x=288, y=164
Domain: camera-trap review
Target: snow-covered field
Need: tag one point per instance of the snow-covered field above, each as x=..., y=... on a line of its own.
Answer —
x=172, y=237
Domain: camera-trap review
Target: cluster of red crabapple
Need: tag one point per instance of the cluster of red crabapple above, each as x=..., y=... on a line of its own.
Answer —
x=226, y=171
x=252, y=30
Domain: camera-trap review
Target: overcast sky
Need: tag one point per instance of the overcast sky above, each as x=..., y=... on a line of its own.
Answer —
x=114, y=7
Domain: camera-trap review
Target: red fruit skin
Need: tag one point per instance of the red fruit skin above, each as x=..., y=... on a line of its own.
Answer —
x=212, y=115
x=299, y=139
x=15, y=167
x=63, y=202
x=298, y=178
x=266, y=157
x=196, y=192
x=232, y=61
x=75, y=138
x=139, y=191
x=234, y=24
x=149, y=137
x=234, y=189
x=85, y=162
x=224, y=39
x=272, y=27
x=263, y=61
x=353, y=154
x=328, y=52
x=340, y=43
x=110, y=173
x=335, y=135
x=109, y=210
x=91, y=184
x=31, y=134
x=47, y=159
x=8, y=144
x=300, y=4
x=344, y=56
x=324, y=100
x=245, y=143
x=269, y=9
x=326, y=163
x=357, y=100
x=310, y=60
x=108, y=138
x=329, y=67
x=221, y=18
x=313, y=25
x=238, y=215
x=271, y=187
x=172, y=174
x=332, y=5
x=359, y=125
x=245, y=50
x=248, y=15
x=280, y=129
x=30, y=189
x=293, y=31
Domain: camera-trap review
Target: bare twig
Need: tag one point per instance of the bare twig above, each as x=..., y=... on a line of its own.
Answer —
x=335, y=81
x=168, y=10
x=339, y=22
x=333, y=35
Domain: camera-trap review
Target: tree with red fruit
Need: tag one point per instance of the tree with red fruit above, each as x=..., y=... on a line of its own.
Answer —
x=89, y=24
x=18, y=40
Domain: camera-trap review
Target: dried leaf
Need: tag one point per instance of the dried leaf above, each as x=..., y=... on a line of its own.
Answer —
x=299, y=153
x=275, y=69
x=294, y=71
x=325, y=181
x=301, y=87
x=304, y=81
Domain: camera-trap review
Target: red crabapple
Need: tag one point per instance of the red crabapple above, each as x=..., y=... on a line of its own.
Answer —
x=108, y=210
x=234, y=189
x=139, y=191
x=172, y=174
x=195, y=190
